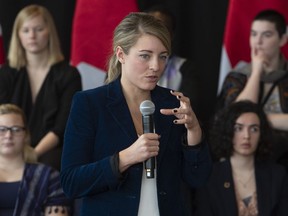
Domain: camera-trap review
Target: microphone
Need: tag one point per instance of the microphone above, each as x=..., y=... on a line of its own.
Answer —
x=147, y=109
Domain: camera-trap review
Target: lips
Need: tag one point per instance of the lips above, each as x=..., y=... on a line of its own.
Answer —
x=246, y=145
x=152, y=78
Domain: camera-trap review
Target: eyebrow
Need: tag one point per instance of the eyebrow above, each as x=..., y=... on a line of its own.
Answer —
x=252, y=125
x=267, y=31
x=149, y=51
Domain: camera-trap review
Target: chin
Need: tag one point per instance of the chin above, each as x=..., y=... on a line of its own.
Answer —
x=149, y=87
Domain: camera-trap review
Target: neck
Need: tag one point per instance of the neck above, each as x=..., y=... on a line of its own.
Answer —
x=273, y=65
x=36, y=61
x=11, y=163
x=135, y=96
x=241, y=163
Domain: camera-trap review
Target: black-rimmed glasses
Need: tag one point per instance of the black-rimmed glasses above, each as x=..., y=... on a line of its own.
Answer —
x=15, y=130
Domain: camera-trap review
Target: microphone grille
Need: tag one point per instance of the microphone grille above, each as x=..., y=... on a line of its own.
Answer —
x=147, y=107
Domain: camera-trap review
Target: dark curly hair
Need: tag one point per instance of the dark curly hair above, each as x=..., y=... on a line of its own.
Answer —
x=221, y=131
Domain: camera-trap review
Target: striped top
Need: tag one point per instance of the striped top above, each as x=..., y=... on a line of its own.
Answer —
x=39, y=188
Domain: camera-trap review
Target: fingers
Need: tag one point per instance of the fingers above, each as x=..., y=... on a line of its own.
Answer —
x=183, y=109
x=147, y=146
x=258, y=55
x=184, y=104
x=180, y=97
x=183, y=113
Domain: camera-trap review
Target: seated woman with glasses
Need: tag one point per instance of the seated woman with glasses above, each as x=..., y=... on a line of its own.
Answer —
x=27, y=188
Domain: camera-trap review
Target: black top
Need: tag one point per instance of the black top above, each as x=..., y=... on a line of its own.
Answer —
x=8, y=197
x=52, y=104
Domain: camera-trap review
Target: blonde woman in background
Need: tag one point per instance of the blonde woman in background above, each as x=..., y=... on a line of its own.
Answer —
x=37, y=79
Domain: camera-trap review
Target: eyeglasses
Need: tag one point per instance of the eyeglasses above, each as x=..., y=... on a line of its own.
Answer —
x=15, y=130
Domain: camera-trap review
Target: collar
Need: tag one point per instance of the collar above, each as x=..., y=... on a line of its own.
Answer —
x=271, y=77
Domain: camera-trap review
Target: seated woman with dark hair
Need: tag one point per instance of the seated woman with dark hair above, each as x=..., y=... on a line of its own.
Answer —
x=243, y=181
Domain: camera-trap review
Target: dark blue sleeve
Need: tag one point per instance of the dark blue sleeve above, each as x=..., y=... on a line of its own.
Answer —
x=81, y=174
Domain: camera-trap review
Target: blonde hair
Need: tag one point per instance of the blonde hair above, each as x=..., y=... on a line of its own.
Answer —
x=126, y=34
x=28, y=153
x=16, y=53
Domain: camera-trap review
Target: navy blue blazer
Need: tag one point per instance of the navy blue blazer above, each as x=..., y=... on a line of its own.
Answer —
x=218, y=197
x=99, y=126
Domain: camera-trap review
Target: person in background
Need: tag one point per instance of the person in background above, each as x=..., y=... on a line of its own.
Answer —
x=265, y=79
x=105, y=147
x=179, y=73
x=244, y=181
x=38, y=80
x=27, y=188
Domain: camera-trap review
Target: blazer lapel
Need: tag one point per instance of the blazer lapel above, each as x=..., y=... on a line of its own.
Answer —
x=263, y=184
x=163, y=123
x=118, y=108
x=227, y=193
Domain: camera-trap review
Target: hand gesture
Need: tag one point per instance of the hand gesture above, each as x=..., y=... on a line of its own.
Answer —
x=185, y=115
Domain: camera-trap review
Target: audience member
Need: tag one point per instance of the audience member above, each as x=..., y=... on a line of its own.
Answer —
x=243, y=181
x=265, y=79
x=179, y=73
x=105, y=147
x=27, y=188
x=37, y=79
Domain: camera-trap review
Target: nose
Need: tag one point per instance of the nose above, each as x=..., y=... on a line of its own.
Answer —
x=8, y=133
x=259, y=39
x=154, y=64
x=32, y=33
x=246, y=134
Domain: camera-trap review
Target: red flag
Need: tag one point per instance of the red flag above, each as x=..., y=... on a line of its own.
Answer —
x=2, y=56
x=93, y=26
x=236, y=40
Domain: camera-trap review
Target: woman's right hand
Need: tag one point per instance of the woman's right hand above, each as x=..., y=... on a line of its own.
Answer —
x=259, y=61
x=145, y=147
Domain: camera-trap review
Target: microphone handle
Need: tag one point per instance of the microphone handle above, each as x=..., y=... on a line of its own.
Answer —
x=148, y=127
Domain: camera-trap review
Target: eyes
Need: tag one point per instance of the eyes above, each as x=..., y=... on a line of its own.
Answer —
x=162, y=57
x=252, y=128
x=34, y=30
x=15, y=130
x=266, y=34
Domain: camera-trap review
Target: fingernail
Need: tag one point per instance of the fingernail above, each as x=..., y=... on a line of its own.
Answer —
x=175, y=110
x=172, y=90
x=178, y=96
x=175, y=121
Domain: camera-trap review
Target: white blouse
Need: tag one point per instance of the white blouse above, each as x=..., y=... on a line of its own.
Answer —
x=148, y=198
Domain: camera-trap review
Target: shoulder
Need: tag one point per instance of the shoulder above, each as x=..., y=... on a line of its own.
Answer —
x=236, y=75
x=65, y=69
x=221, y=165
x=40, y=168
x=92, y=97
x=270, y=171
x=271, y=167
x=234, y=78
x=95, y=92
x=220, y=174
x=6, y=69
x=163, y=94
